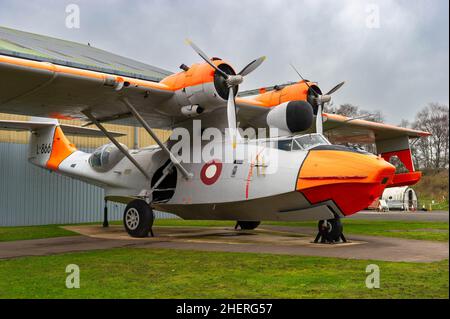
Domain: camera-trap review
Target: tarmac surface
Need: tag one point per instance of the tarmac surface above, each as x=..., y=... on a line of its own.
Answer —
x=283, y=240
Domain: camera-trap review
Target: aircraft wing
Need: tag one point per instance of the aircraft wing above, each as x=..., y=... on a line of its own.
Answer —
x=339, y=128
x=47, y=77
x=347, y=130
x=390, y=141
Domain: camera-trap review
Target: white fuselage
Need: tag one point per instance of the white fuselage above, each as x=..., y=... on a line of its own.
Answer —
x=222, y=187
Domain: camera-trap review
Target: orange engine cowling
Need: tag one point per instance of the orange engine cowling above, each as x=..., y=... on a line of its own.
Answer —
x=200, y=85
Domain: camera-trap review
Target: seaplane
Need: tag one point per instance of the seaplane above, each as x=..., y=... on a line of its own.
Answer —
x=295, y=174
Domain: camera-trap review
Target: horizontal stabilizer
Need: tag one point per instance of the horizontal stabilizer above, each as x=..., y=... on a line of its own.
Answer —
x=85, y=131
x=71, y=130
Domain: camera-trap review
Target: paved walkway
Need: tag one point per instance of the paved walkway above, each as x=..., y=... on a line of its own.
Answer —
x=269, y=239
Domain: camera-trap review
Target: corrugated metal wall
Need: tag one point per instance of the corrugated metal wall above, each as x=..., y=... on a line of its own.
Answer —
x=33, y=196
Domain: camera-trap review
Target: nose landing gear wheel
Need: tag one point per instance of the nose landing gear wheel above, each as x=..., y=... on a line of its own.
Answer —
x=246, y=225
x=330, y=231
x=138, y=219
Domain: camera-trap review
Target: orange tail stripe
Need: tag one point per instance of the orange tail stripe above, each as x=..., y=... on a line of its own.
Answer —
x=61, y=149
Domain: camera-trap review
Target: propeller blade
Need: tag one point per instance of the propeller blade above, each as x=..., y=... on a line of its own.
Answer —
x=337, y=87
x=319, y=121
x=205, y=57
x=306, y=82
x=231, y=114
x=252, y=66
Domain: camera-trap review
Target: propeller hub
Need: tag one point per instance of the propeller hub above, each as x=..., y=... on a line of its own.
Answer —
x=234, y=80
x=325, y=98
x=220, y=81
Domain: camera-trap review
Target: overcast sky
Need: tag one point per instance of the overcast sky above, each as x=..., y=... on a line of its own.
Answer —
x=397, y=67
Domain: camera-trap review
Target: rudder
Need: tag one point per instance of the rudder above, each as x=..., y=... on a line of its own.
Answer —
x=48, y=145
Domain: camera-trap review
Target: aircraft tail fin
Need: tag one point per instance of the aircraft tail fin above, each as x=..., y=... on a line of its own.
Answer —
x=49, y=145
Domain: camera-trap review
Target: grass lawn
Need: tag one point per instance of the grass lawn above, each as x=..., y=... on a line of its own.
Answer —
x=433, y=186
x=32, y=232
x=143, y=273
x=438, y=205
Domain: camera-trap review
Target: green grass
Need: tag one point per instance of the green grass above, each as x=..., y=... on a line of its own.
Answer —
x=429, y=206
x=434, y=185
x=148, y=273
x=33, y=232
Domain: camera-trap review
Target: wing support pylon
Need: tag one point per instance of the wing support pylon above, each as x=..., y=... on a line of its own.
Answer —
x=187, y=175
x=115, y=142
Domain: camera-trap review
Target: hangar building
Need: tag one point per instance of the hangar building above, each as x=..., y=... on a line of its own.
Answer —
x=32, y=196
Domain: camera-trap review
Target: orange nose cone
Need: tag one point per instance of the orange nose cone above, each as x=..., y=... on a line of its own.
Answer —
x=351, y=179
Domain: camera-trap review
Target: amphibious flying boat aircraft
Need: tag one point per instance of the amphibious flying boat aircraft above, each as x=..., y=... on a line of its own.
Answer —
x=293, y=176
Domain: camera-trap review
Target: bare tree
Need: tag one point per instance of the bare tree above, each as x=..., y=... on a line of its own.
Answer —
x=347, y=109
x=405, y=123
x=432, y=152
x=351, y=110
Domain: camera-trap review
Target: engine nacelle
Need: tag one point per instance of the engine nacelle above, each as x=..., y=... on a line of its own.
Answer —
x=200, y=85
x=291, y=117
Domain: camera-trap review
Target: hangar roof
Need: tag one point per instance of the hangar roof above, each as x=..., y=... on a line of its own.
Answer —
x=41, y=48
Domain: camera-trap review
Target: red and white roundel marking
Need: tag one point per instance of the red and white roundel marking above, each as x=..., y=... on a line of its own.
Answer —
x=211, y=172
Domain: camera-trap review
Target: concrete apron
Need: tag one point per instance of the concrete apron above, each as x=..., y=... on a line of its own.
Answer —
x=283, y=240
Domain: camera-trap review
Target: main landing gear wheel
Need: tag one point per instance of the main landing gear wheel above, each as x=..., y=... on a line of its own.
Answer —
x=330, y=231
x=246, y=225
x=138, y=219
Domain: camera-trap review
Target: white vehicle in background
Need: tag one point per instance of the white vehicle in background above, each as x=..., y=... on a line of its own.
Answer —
x=400, y=198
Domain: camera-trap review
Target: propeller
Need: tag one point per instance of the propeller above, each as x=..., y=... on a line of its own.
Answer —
x=306, y=82
x=320, y=99
x=337, y=87
x=231, y=81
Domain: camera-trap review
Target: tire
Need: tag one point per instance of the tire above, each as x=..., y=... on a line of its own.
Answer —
x=333, y=230
x=138, y=219
x=248, y=225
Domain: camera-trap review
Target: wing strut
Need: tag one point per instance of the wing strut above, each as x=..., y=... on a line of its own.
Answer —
x=140, y=119
x=115, y=142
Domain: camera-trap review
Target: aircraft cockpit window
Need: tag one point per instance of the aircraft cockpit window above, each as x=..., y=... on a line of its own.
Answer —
x=284, y=145
x=301, y=143
x=298, y=143
x=296, y=146
x=106, y=157
x=309, y=141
